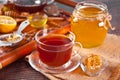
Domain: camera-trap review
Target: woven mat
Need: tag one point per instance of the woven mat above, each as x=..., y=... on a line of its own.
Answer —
x=110, y=49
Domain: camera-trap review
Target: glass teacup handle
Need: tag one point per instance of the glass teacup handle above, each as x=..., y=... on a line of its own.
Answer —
x=77, y=47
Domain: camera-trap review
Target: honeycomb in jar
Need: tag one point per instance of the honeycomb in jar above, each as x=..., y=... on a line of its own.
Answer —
x=93, y=62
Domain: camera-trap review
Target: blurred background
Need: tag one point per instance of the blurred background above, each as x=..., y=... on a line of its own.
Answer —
x=113, y=7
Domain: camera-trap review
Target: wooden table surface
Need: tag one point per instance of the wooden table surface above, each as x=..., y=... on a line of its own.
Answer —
x=21, y=70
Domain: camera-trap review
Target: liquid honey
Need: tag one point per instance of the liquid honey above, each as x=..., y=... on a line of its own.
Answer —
x=88, y=26
x=38, y=20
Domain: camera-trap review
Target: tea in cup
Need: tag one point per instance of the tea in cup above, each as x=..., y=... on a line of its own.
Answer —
x=56, y=50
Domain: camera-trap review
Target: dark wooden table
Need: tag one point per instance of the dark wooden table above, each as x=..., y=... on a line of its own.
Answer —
x=21, y=70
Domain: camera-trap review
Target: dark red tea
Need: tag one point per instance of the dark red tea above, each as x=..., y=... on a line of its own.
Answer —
x=55, y=50
x=31, y=6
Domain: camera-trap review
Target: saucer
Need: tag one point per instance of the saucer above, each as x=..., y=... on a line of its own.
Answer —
x=36, y=63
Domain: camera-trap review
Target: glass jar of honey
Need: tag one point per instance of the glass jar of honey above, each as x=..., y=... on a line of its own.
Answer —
x=90, y=23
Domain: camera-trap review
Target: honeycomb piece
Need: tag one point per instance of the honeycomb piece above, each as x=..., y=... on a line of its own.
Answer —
x=93, y=62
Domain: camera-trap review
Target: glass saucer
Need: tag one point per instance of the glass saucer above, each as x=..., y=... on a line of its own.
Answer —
x=36, y=64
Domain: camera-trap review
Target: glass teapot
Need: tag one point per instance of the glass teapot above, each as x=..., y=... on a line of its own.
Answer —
x=30, y=6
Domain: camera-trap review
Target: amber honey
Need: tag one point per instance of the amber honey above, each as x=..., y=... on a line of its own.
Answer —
x=89, y=23
x=38, y=20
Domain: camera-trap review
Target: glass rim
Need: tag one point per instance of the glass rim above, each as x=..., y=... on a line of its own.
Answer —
x=67, y=44
x=97, y=4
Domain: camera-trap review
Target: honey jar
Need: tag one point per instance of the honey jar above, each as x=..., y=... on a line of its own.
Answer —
x=90, y=22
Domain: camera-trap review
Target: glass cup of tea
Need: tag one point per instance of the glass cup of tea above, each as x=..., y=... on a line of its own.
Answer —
x=57, y=53
x=38, y=20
